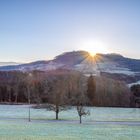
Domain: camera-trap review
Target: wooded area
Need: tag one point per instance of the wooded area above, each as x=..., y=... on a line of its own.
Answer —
x=62, y=87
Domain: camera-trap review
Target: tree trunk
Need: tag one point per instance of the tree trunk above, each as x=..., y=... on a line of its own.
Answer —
x=16, y=96
x=56, y=115
x=9, y=97
x=57, y=111
x=80, y=119
x=9, y=94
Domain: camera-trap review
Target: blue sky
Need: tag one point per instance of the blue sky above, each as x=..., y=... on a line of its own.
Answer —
x=41, y=29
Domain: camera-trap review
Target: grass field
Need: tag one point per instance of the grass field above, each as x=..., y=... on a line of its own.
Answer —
x=14, y=124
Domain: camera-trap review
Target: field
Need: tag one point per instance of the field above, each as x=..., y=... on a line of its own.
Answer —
x=102, y=124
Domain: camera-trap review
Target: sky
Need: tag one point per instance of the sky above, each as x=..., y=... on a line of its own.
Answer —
x=33, y=30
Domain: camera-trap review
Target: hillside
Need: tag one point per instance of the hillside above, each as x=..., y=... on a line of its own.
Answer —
x=113, y=66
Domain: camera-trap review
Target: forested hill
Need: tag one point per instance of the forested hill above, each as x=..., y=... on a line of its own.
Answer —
x=110, y=65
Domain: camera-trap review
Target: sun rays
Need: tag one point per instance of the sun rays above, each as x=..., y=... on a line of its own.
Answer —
x=94, y=46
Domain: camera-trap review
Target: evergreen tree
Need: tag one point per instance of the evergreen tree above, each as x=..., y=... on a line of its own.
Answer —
x=135, y=89
x=91, y=89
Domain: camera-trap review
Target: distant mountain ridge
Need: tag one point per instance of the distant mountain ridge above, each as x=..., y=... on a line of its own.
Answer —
x=114, y=66
x=8, y=63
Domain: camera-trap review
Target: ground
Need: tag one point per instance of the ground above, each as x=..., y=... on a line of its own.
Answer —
x=102, y=124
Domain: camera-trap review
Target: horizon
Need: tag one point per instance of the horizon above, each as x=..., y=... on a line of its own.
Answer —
x=34, y=30
x=4, y=63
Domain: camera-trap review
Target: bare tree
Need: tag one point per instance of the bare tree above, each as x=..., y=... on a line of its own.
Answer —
x=81, y=102
x=57, y=108
x=82, y=111
x=57, y=94
x=80, y=97
x=18, y=78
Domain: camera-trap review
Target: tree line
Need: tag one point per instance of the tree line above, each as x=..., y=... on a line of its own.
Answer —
x=46, y=86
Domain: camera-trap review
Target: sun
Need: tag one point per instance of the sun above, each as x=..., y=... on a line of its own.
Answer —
x=92, y=53
x=94, y=47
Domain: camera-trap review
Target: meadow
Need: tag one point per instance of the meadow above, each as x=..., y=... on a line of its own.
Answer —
x=102, y=124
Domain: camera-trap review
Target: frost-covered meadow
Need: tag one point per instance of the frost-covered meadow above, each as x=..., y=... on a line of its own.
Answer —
x=102, y=124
